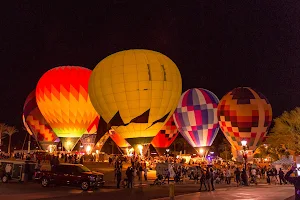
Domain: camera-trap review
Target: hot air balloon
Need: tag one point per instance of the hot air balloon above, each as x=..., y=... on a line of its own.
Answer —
x=26, y=126
x=135, y=91
x=89, y=137
x=102, y=141
x=244, y=114
x=120, y=141
x=165, y=137
x=62, y=97
x=196, y=117
x=37, y=124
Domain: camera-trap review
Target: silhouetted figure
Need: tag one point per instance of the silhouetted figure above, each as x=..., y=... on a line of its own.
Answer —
x=119, y=177
x=295, y=181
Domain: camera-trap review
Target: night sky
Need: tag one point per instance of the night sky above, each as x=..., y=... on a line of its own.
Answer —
x=217, y=46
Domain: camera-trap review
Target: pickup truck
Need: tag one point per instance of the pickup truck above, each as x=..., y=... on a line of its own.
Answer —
x=71, y=174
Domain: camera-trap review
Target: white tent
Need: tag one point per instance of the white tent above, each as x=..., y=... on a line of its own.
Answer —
x=283, y=163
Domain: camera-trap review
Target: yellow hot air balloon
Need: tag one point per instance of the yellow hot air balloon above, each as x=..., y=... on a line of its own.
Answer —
x=135, y=91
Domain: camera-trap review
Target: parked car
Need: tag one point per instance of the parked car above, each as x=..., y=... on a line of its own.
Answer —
x=71, y=174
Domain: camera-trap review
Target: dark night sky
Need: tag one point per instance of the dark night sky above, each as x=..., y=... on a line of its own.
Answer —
x=216, y=45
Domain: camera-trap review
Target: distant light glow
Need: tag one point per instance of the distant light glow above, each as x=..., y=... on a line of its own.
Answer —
x=201, y=151
x=140, y=147
x=88, y=149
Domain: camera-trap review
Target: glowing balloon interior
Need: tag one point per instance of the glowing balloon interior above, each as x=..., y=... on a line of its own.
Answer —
x=196, y=117
x=244, y=114
x=62, y=96
x=135, y=91
x=118, y=139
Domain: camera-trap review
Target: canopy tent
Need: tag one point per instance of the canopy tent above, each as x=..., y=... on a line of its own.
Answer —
x=284, y=163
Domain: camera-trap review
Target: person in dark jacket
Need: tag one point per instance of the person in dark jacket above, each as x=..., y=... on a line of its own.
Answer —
x=212, y=179
x=119, y=177
x=237, y=174
x=202, y=180
x=281, y=176
x=295, y=181
x=129, y=177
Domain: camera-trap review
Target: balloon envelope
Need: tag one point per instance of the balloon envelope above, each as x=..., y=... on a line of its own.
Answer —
x=26, y=126
x=102, y=141
x=93, y=126
x=135, y=91
x=62, y=96
x=244, y=114
x=166, y=135
x=36, y=121
x=118, y=139
x=196, y=117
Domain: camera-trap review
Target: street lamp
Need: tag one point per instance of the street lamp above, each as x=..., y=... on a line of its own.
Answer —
x=244, y=144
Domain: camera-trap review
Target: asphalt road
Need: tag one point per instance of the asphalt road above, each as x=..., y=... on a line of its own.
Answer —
x=145, y=191
x=189, y=190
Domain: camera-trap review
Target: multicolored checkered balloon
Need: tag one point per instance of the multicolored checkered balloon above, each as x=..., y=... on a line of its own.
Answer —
x=196, y=117
x=244, y=114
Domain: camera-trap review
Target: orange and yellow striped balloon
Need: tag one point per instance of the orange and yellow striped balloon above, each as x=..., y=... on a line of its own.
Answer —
x=62, y=97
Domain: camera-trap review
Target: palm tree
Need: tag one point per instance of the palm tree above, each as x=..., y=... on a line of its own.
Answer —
x=10, y=130
x=3, y=128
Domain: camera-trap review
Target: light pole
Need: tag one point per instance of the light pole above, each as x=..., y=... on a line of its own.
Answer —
x=244, y=144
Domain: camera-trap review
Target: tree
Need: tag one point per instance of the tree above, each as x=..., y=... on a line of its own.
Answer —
x=225, y=149
x=3, y=128
x=10, y=130
x=286, y=132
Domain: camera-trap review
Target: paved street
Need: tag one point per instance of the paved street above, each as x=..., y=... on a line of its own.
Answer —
x=144, y=191
x=274, y=192
x=188, y=190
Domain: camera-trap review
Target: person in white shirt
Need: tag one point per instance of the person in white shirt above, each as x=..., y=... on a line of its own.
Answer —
x=228, y=176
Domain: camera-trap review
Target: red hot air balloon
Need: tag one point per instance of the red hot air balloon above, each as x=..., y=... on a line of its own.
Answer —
x=165, y=137
x=37, y=123
x=244, y=114
x=62, y=97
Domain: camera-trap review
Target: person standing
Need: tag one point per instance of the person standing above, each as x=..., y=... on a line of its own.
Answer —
x=208, y=179
x=145, y=174
x=295, y=181
x=202, y=180
x=253, y=175
x=119, y=177
x=228, y=176
x=129, y=177
x=212, y=179
x=275, y=174
x=281, y=176
x=237, y=174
